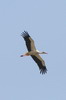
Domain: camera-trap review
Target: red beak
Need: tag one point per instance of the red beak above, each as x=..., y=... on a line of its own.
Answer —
x=46, y=53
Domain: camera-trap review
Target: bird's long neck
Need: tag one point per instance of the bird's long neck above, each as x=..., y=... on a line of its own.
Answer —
x=41, y=53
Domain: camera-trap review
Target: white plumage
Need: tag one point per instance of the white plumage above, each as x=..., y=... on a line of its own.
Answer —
x=33, y=52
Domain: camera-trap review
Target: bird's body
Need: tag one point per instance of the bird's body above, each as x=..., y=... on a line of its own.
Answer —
x=33, y=52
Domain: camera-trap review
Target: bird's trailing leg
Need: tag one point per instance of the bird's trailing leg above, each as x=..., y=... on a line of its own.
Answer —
x=21, y=55
x=26, y=54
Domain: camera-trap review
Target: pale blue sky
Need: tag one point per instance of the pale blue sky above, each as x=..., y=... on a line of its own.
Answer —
x=45, y=20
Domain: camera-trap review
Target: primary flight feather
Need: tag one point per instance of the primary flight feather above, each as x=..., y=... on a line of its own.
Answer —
x=33, y=52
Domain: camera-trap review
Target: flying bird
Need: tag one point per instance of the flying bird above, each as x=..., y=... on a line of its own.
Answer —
x=33, y=52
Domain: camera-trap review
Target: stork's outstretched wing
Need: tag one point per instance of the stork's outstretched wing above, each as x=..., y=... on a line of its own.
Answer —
x=29, y=41
x=40, y=62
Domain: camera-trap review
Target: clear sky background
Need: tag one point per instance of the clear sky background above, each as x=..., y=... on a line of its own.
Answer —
x=20, y=78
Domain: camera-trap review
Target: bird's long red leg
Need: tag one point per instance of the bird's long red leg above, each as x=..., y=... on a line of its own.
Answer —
x=21, y=55
x=24, y=55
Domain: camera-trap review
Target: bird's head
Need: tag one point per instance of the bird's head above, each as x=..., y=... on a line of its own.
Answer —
x=44, y=53
x=41, y=52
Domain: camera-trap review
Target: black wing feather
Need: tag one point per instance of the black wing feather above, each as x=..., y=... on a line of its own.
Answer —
x=42, y=68
x=26, y=36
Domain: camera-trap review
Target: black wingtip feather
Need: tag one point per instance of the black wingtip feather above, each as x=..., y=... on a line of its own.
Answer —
x=25, y=34
x=43, y=70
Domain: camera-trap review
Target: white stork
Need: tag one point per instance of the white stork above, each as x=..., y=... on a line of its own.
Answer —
x=33, y=52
